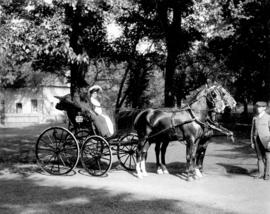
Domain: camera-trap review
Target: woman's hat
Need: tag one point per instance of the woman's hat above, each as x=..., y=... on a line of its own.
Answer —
x=261, y=104
x=94, y=88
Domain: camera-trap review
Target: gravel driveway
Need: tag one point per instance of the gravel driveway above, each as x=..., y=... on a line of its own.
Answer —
x=227, y=187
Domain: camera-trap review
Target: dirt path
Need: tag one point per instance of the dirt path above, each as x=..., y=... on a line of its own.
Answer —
x=227, y=187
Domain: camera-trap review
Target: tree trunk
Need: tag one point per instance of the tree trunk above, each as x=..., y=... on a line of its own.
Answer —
x=267, y=71
x=173, y=41
x=77, y=69
x=77, y=78
x=169, y=77
x=245, y=104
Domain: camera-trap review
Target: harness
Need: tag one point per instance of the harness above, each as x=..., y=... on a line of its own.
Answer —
x=174, y=125
x=208, y=124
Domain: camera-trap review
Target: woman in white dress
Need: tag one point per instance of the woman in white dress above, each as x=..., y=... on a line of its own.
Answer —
x=93, y=91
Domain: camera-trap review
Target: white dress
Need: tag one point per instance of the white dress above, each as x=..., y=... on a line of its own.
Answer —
x=98, y=110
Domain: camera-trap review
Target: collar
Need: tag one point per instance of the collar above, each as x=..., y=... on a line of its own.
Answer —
x=261, y=114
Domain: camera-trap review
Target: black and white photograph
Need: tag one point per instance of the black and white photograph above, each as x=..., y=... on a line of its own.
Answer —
x=134, y=107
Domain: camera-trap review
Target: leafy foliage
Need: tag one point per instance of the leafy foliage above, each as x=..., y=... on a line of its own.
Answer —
x=247, y=52
x=184, y=42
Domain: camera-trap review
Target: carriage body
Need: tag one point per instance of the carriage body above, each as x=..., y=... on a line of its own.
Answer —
x=59, y=149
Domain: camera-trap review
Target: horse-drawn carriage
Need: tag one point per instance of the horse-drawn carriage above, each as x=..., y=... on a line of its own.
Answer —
x=59, y=149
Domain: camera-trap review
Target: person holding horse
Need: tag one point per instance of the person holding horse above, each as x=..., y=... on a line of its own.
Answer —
x=260, y=140
x=103, y=120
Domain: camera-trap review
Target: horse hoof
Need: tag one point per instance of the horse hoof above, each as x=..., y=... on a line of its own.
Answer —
x=198, y=173
x=165, y=171
x=159, y=171
x=195, y=177
x=189, y=179
x=140, y=176
x=144, y=174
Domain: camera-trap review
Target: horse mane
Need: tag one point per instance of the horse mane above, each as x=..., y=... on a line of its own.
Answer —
x=194, y=94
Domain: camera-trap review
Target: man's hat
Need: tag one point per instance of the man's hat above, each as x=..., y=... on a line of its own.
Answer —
x=261, y=104
x=94, y=88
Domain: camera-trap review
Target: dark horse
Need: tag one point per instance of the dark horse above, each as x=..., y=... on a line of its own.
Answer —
x=183, y=124
x=213, y=126
x=210, y=128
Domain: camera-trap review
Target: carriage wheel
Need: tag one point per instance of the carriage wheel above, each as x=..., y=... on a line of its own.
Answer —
x=126, y=151
x=96, y=155
x=57, y=151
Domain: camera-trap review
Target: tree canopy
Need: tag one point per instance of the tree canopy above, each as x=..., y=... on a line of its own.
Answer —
x=178, y=44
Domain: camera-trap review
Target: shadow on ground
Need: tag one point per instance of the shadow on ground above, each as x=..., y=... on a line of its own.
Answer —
x=17, y=146
x=34, y=196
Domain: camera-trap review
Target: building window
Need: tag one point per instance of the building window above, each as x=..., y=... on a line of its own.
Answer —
x=18, y=107
x=2, y=106
x=34, y=105
x=2, y=112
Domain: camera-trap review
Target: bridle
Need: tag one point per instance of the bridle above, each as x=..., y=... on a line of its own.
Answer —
x=226, y=97
x=212, y=99
x=209, y=97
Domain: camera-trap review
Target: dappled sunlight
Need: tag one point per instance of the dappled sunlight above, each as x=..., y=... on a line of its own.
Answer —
x=23, y=209
x=28, y=196
x=121, y=193
x=8, y=149
x=74, y=201
x=25, y=188
x=6, y=174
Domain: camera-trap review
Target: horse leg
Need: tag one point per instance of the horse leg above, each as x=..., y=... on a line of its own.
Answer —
x=200, y=154
x=141, y=155
x=157, y=151
x=196, y=172
x=143, y=168
x=163, y=153
x=202, y=146
x=191, y=149
x=188, y=159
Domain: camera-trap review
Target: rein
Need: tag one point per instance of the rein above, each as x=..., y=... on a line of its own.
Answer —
x=219, y=128
x=181, y=124
x=211, y=125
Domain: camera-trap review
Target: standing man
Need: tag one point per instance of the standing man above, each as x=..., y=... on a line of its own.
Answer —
x=260, y=140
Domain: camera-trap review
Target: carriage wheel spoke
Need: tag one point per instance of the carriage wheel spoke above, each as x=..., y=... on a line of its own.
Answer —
x=51, y=158
x=49, y=145
x=98, y=163
x=54, y=158
x=126, y=160
x=50, y=139
x=63, y=162
x=70, y=148
x=123, y=155
x=45, y=149
x=105, y=158
x=130, y=161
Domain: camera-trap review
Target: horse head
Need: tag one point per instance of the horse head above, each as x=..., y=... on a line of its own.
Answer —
x=228, y=99
x=214, y=98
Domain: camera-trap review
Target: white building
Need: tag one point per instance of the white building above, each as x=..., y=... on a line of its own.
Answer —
x=28, y=106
